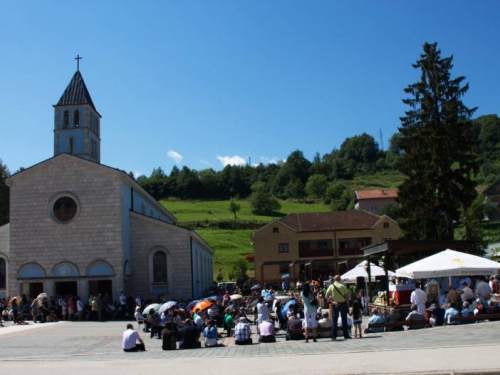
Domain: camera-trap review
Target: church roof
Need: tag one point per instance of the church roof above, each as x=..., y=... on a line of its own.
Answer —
x=76, y=92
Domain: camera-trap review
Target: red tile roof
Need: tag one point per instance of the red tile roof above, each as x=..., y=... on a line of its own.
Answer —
x=329, y=221
x=377, y=194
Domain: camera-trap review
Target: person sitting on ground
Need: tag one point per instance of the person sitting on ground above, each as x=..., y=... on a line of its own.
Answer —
x=130, y=338
x=416, y=316
x=294, y=329
x=229, y=322
x=266, y=331
x=466, y=311
x=443, y=299
x=189, y=336
x=325, y=324
x=210, y=334
x=437, y=315
x=395, y=317
x=374, y=319
x=493, y=309
x=199, y=320
x=169, y=337
x=242, y=332
x=480, y=308
x=451, y=312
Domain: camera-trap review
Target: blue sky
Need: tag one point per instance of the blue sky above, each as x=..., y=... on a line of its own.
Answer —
x=214, y=82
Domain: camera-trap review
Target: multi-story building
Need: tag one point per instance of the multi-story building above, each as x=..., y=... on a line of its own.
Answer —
x=315, y=245
x=374, y=200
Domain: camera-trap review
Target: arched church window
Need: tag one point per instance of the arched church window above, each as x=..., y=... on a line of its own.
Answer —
x=3, y=273
x=65, y=119
x=76, y=118
x=71, y=145
x=160, y=267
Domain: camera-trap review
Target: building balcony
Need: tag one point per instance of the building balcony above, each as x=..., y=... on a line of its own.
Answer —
x=315, y=253
x=350, y=252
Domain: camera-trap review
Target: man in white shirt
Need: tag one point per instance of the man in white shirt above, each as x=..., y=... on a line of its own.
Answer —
x=467, y=293
x=130, y=338
x=123, y=303
x=138, y=301
x=419, y=298
x=80, y=307
x=262, y=311
x=483, y=290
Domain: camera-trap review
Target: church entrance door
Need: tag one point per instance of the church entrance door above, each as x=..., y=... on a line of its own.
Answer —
x=65, y=288
x=32, y=290
x=102, y=287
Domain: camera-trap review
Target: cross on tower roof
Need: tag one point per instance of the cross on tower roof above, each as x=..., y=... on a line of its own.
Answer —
x=78, y=58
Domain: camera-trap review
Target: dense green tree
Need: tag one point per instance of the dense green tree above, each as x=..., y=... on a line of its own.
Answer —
x=4, y=194
x=316, y=186
x=262, y=201
x=362, y=149
x=437, y=150
x=391, y=210
x=487, y=130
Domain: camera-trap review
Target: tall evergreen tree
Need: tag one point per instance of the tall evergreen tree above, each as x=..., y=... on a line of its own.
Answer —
x=437, y=144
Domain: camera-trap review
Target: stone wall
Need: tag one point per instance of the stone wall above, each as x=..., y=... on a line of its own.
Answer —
x=148, y=234
x=94, y=233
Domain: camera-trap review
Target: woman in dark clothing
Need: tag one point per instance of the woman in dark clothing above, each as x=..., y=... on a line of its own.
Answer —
x=169, y=337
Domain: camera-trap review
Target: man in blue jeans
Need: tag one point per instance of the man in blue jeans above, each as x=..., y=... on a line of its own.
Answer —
x=336, y=295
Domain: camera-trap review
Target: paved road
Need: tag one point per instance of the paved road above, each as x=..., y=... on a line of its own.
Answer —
x=85, y=347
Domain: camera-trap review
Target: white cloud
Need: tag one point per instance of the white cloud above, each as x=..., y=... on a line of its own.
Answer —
x=175, y=155
x=231, y=160
x=273, y=160
x=203, y=161
x=137, y=174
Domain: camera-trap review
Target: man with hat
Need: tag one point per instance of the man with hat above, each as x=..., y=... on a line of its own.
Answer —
x=242, y=332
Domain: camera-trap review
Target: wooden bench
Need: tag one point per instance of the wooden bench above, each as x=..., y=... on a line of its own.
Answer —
x=475, y=318
x=388, y=327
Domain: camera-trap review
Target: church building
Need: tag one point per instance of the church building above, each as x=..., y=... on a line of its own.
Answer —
x=80, y=227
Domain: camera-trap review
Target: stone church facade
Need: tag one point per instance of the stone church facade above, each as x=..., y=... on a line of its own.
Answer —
x=82, y=228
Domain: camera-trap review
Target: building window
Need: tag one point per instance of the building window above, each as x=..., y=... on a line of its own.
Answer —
x=3, y=273
x=160, y=267
x=386, y=225
x=66, y=120
x=283, y=248
x=76, y=118
x=276, y=230
x=64, y=209
x=322, y=245
x=71, y=145
x=304, y=246
x=284, y=268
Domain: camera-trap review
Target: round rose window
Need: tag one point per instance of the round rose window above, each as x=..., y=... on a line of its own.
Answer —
x=64, y=209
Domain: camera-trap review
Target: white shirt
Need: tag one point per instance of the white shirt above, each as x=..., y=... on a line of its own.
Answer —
x=130, y=338
x=199, y=321
x=138, y=301
x=483, y=289
x=467, y=293
x=123, y=300
x=79, y=305
x=418, y=297
x=262, y=311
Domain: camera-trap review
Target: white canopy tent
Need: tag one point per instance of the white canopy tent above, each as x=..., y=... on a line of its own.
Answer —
x=449, y=263
x=360, y=271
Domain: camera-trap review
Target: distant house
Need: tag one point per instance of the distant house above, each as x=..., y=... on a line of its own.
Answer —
x=313, y=245
x=492, y=194
x=374, y=200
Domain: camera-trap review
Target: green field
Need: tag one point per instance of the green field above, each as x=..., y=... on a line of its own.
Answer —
x=189, y=211
x=229, y=246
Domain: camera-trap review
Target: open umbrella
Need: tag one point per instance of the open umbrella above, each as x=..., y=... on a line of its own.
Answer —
x=213, y=298
x=41, y=296
x=202, y=305
x=167, y=306
x=255, y=287
x=286, y=276
x=154, y=306
x=235, y=297
x=17, y=299
x=191, y=304
x=286, y=307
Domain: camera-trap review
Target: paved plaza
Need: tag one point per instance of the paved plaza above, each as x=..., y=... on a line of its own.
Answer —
x=77, y=345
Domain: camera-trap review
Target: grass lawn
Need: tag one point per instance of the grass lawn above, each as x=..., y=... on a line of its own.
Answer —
x=219, y=210
x=229, y=246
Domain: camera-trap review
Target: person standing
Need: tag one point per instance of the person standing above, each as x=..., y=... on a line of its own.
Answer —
x=419, y=298
x=130, y=338
x=310, y=310
x=262, y=311
x=337, y=295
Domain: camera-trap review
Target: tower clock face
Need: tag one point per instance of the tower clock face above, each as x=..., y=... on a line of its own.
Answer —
x=64, y=209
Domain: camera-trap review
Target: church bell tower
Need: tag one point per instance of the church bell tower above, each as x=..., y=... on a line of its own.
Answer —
x=77, y=124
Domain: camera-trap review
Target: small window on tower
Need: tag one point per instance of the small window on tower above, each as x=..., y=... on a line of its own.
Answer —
x=66, y=119
x=76, y=119
x=71, y=145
